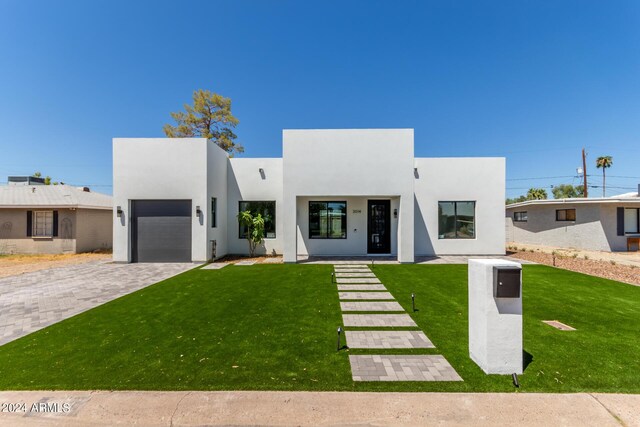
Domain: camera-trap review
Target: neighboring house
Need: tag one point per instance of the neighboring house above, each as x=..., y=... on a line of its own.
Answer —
x=351, y=192
x=53, y=219
x=602, y=224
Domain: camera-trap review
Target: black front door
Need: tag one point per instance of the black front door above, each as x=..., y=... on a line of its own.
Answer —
x=379, y=227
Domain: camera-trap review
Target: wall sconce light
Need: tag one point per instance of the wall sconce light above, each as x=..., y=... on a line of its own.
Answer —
x=262, y=175
x=119, y=211
x=415, y=173
x=198, y=211
x=395, y=213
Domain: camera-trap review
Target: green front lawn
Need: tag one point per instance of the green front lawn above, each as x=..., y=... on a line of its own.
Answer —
x=273, y=327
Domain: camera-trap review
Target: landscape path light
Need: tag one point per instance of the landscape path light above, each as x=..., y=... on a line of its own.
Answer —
x=339, y=332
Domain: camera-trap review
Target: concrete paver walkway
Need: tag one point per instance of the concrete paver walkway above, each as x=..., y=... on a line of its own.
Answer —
x=198, y=408
x=387, y=339
x=362, y=287
x=364, y=295
x=371, y=306
x=386, y=367
x=378, y=320
x=432, y=367
x=354, y=280
x=32, y=301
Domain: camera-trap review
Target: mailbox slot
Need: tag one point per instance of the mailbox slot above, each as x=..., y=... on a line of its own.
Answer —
x=506, y=282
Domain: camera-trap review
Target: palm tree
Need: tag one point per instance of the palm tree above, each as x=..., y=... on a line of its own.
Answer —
x=536, y=194
x=604, y=162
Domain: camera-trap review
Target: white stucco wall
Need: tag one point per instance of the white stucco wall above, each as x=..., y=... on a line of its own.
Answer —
x=159, y=169
x=479, y=179
x=352, y=165
x=375, y=163
x=356, y=242
x=217, y=182
x=245, y=183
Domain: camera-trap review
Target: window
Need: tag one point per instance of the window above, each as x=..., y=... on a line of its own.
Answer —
x=565, y=215
x=214, y=214
x=520, y=216
x=268, y=212
x=43, y=224
x=632, y=220
x=327, y=220
x=456, y=220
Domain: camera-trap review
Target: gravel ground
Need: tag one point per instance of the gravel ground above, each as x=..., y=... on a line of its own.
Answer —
x=258, y=259
x=574, y=262
x=12, y=265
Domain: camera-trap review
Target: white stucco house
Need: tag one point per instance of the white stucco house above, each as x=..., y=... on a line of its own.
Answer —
x=350, y=192
x=599, y=223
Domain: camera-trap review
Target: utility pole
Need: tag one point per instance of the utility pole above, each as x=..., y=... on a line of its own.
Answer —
x=584, y=173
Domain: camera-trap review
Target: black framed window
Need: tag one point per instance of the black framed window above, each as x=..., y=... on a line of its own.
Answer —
x=565, y=214
x=456, y=220
x=327, y=220
x=265, y=208
x=632, y=220
x=214, y=212
x=520, y=216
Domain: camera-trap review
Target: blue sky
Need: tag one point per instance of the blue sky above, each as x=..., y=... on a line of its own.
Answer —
x=534, y=81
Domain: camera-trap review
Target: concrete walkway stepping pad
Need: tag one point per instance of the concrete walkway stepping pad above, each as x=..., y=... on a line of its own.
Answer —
x=245, y=263
x=378, y=320
x=340, y=266
x=344, y=280
x=387, y=339
x=365, y=295
x=353, y=270
x=341, y=274
x=371, y=306
x=215, y=266
x=361, y=288
x=402, y=368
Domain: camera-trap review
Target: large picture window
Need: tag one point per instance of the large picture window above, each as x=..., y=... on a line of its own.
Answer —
x=632, y=220
x=267, y=210
x=327, y=220
x=456, y=220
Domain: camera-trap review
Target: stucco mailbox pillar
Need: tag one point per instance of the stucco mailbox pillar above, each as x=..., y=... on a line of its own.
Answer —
x=495, y=315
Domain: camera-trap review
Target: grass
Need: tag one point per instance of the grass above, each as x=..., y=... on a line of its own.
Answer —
x=273, y=327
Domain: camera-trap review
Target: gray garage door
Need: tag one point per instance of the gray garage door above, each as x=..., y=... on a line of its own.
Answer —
x=161, y=231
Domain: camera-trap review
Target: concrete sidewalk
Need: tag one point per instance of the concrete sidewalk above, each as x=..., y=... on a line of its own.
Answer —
x=103, y=408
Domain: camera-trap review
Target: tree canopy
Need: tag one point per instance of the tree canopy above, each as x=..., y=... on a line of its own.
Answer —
x=209, y=117
x=532, y=194
x=567, y=191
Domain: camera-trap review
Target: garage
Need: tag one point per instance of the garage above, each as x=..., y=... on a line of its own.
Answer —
x=161, y=231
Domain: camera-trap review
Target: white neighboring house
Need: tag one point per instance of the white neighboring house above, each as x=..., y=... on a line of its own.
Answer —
x=601, y=224
x=350, y=192
x=53, y=219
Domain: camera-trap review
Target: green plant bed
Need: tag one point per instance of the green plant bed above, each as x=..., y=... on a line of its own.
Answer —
x=273, y=327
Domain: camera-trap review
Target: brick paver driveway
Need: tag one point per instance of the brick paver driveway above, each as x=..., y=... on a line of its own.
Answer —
x=32, y=301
